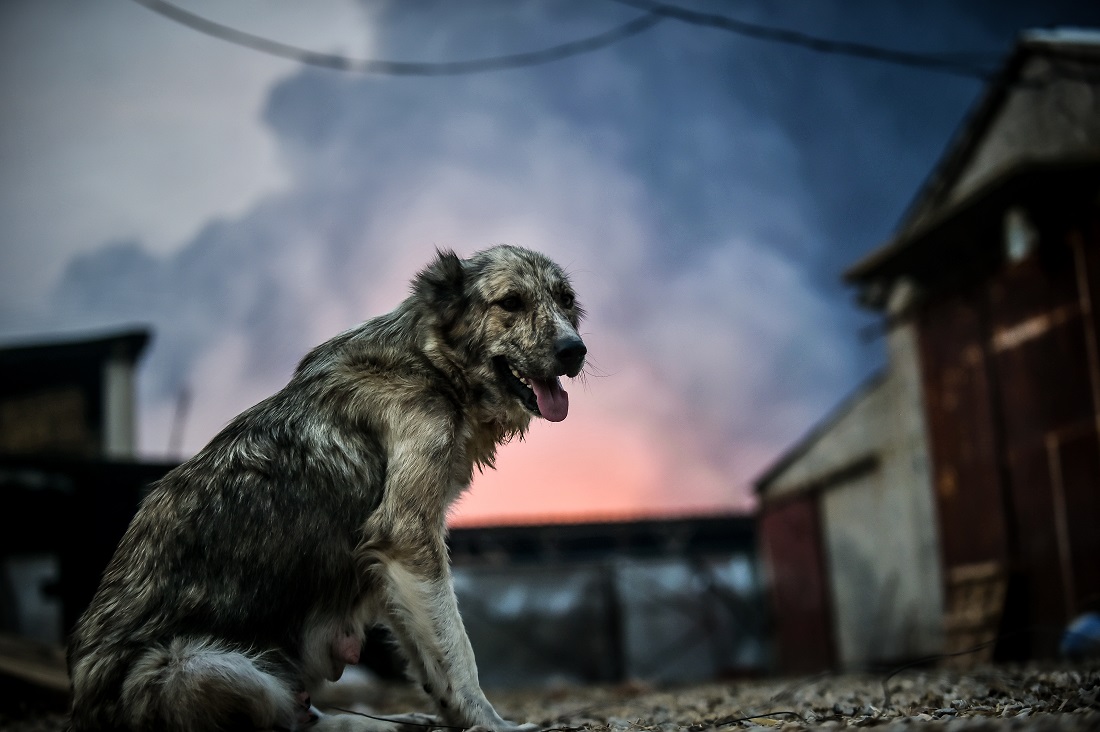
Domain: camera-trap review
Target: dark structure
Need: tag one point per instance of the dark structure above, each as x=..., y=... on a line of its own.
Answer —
x=67, y=473
x=71, y=398
x=72, y=511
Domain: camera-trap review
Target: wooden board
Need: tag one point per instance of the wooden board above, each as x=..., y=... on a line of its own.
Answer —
x=35, y=663
x=974, y=605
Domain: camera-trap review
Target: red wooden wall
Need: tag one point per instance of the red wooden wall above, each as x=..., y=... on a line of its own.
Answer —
x=791, y=543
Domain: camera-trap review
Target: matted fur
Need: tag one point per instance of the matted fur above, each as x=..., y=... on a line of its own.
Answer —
x=251, y=572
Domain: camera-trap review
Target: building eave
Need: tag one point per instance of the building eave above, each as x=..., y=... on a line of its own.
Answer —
x=1047, y=183
x=127, y=344
x=763, y=483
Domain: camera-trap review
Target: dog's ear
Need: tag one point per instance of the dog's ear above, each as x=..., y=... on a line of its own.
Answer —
x=441, y=286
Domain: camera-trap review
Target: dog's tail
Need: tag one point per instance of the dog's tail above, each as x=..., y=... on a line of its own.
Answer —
x=199, y=685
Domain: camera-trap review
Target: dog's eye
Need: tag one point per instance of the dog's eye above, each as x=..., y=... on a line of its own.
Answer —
x=567, y=300
x=512, y=303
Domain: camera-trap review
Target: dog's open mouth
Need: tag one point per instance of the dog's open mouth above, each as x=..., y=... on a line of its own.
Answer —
x=543, y=396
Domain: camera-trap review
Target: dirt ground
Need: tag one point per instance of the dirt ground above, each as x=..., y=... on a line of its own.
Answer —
x=997, y=698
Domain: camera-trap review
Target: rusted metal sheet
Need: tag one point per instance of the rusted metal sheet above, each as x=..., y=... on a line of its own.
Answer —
x=1044, y=379
x=1081, y=492
x=1013, y=397
x=790, y=536
x=1045, y=397
x=959, y=411
x=1039, y=590
x=1081, y=454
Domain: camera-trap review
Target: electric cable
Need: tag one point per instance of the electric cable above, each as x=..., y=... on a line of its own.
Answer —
x=973, y=65
x=961, y=64
x=401, y=68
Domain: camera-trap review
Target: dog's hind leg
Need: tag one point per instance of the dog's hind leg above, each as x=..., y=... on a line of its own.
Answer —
x=196, y=685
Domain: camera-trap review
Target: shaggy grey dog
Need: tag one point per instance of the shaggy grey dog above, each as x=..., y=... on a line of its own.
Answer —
x=251, y=572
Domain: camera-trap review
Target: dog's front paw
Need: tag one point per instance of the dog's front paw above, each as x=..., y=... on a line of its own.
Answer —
x=506, y=727
x=357, y=722
x=414, y=721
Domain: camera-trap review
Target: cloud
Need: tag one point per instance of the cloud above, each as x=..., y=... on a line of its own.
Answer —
x=703, y=190
x=119, y=124
x=690, y=404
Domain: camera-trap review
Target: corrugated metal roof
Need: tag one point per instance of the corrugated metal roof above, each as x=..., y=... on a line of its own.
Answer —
x=1063, y=36
x=934, y=199
x=1064, y=42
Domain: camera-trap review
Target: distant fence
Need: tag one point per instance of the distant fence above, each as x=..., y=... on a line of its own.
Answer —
x=662, y=601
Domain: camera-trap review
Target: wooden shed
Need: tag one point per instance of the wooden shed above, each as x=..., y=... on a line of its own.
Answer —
x=987, y=293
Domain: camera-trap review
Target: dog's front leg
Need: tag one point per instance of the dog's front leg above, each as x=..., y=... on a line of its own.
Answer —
x=423, y=613
x=404, y=557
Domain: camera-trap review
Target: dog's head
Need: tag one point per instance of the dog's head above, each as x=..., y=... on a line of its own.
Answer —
x=511, y=317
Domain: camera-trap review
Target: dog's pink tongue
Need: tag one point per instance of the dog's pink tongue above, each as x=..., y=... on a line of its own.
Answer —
x=553, y=400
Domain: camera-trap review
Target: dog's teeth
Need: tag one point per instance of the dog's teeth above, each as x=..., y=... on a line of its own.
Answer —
x=518, y=375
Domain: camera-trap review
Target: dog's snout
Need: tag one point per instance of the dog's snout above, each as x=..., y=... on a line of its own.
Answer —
x=570, y=353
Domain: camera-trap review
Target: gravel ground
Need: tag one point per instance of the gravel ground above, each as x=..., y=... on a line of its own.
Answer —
x=996, y=698
x=1059, y=698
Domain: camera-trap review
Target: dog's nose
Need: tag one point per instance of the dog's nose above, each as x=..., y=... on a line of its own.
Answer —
x=570, y=353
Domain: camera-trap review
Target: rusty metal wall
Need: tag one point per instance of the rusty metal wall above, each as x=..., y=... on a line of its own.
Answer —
x=960, y=432
x=791, y=544
x=1012, y=395
x=1079, y=451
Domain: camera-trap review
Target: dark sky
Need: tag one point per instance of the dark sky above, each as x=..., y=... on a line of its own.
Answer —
x=705, y=189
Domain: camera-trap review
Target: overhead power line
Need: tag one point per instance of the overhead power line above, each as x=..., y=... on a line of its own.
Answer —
x=975, y=66
x=982, y=66
x=402, y=68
